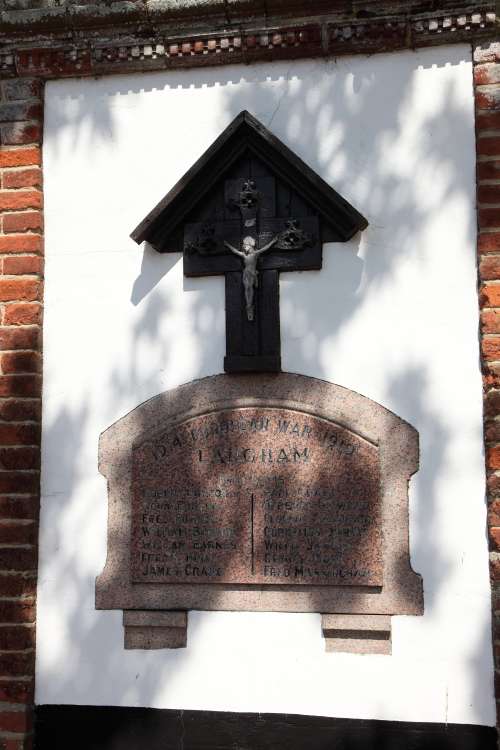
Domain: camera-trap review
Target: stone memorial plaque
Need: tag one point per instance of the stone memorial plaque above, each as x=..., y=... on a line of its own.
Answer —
x=256, y=496
x=274, y=492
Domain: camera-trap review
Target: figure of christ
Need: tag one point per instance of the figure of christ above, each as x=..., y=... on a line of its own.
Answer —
x=250, y=255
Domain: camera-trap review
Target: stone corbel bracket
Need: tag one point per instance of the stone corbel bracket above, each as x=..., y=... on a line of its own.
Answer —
x=357, y=634
x=144, y=629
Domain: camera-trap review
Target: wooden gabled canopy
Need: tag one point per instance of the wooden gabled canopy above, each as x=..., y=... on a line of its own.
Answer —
x=161, y=227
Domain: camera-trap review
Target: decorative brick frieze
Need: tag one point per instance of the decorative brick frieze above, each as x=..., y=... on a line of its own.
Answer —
x=206, y=41
x=21, y=289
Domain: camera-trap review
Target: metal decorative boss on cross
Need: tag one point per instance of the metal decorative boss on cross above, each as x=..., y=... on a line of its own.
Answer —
x=249, y=208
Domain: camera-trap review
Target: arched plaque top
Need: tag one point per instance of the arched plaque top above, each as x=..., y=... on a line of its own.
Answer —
x=177, y=434
x=349, y=409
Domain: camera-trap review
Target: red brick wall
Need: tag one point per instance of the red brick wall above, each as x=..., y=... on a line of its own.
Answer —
x=487, y=97
x=21, y=293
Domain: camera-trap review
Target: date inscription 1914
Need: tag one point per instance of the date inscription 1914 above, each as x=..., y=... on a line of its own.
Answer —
x=257, y=496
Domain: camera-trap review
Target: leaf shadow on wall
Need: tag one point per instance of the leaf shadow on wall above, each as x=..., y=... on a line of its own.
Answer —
x=360, y=144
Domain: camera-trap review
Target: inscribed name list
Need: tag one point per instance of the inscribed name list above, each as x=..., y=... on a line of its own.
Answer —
x=256, y=496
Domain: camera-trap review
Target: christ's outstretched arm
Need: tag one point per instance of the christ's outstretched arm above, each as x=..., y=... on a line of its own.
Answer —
x=234, y=250
x=266, y=247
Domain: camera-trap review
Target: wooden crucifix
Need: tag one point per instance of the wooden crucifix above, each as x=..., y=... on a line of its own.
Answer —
x=250, y=246
x=249, y=209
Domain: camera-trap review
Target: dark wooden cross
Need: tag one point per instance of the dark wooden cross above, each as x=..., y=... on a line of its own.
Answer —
x=249, y=208
x=234, y=243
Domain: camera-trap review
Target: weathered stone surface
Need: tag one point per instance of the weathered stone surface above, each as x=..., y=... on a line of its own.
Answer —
x=357, y=634
x=153, y=630
x=255, y=496
x=337, y=443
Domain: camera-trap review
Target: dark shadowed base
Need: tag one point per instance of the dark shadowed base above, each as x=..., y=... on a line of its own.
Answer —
x=261, y=363
x=112, y=728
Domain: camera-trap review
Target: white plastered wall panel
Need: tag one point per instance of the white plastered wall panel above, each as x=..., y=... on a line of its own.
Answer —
x=393, y=315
